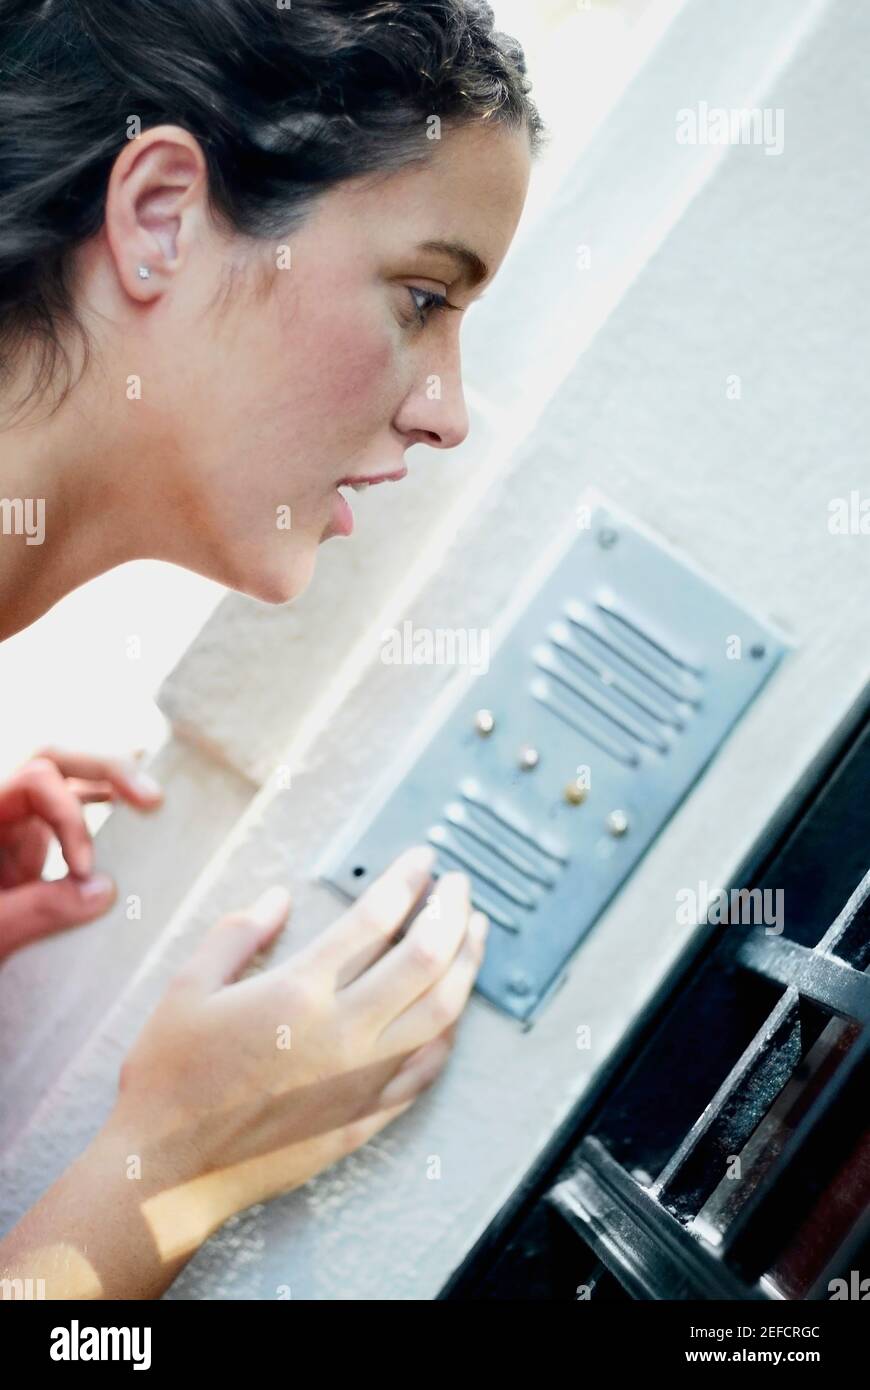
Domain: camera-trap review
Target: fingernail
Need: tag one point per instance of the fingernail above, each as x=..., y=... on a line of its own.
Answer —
x=144, y=783
x=96, y=886
x=419, y=863
x=479, y=926
x=270, y=907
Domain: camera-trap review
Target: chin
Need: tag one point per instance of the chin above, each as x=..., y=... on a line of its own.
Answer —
x=286, y=579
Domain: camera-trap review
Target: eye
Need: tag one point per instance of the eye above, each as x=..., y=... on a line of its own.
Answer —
x=425, y=301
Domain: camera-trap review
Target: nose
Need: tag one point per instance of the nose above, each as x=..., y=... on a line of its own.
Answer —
x=434, y=412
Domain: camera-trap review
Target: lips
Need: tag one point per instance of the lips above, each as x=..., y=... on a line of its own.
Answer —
x=362, y=481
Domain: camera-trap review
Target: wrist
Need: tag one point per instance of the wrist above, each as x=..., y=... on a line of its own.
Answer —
x=181, y=1204
x=120, y=1223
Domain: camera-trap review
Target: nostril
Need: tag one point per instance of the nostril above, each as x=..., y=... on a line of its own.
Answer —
x=430, y=437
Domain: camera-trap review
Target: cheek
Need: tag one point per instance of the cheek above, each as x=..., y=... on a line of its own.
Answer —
x=357, y=376
x=310, y=391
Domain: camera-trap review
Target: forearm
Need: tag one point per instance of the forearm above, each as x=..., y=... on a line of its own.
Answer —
x=120, y=1223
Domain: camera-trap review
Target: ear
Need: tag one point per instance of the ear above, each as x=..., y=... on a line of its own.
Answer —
x=156, y=203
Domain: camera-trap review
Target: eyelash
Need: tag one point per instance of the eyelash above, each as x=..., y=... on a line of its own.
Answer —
x=436, y=302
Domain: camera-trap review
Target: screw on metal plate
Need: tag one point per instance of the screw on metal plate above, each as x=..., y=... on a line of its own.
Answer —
x=484, y=721
x=575, y=793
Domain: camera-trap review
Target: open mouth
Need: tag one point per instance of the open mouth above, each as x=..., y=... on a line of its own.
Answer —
x=342, y=516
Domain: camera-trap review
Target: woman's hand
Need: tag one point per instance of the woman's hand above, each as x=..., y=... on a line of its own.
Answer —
x=240, y=1088
x=45, y=798
x=235, y=1092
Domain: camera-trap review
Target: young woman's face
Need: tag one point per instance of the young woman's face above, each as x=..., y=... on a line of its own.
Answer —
x=325, y=360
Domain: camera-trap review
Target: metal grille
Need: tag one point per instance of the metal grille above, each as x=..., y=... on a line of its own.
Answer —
x=621, y=670
x=648, y=1235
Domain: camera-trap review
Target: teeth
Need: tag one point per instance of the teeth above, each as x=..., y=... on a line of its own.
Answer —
x=359, y=487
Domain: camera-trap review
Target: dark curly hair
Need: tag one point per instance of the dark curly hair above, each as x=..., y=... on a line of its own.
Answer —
x=286, y=100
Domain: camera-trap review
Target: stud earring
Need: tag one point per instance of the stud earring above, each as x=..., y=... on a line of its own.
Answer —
x=144, y=273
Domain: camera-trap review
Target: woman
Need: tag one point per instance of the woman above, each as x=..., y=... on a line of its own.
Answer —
x=237, y=241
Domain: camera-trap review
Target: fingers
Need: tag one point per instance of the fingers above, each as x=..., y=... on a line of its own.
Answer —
x=440, y=1007
x=419, y=1072
x=233, y=942
x=366, y=930
x=41, y=908
x=353, y=1136
x=39, y=789
x=297, y=1163
x=419, y=960
x=90, y=791
x=53, y=786
x=101, y=779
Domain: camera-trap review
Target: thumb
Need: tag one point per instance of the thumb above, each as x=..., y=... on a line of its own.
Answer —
x=43, y=907
x=234, y=941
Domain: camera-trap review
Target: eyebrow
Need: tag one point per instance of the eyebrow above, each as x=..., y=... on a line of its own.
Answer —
x=474, y=270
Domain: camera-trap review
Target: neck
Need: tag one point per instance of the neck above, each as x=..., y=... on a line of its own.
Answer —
x=63, y=516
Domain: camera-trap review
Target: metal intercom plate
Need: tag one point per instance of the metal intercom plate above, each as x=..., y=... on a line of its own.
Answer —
x=616, y=675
